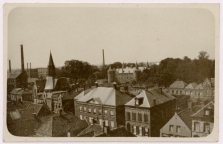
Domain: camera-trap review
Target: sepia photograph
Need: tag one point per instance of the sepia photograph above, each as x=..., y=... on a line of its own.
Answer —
x=139, y=71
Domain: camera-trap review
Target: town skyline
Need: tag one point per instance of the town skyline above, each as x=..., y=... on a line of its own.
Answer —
x=145, y=34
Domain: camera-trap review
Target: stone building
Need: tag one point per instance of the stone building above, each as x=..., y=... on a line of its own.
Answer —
x=102, y=104
x=125, y=74
x=147, y=113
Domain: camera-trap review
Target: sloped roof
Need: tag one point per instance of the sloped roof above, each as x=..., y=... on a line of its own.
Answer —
x=200, y=86
x=71, y=95
x=178, y=84
x=57, y=126
x=149, y=97
x=50, y=94
x=36, y=107
x=95, y=128
x=185, y=115
x=20, y=91
x=191, y=86
x=14, y=75
x=107, y=96
x=119, y=132
x=200, y=113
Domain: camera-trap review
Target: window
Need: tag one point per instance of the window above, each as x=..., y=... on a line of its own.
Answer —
x=81, y=117
x=91, y=120
x=100, y=122
x=178, y=129
x=180, y=92
x=112, y=124
x=111, y=113
x=171, y=128
x=80, y=108
x=146, y=117
x=176, y=92
x=140, y=131
x=95, y=111
x=105, y=111
x=197, y=126
x=99, y=111
x=106, y=122
x=172, y=91
x=89, y=110
x=139, y=117
x=85, y=109
x=146, y=131
x=134, y=129
x=206, y=127
x=127, y=115
x=207, y=112
x=133, y=116
x=137, y=102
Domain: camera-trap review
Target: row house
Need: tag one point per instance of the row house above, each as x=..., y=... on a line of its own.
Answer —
x=148, y=112
x=102, y=105
x=179, y=125
x=194, y=90
x=203, y=121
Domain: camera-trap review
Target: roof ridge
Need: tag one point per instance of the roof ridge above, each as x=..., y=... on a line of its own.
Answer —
x=203, y=108
x=183, y=110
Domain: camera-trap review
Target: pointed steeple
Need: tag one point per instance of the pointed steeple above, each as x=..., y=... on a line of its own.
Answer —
x=51, y=67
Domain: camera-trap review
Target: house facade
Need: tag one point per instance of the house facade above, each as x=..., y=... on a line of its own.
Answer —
x=203, y=121
x=179, y=125
x=148, y=112
x=102, y=105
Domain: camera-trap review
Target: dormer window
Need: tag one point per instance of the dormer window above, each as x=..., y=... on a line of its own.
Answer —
x=207, y=112
x=137, y=101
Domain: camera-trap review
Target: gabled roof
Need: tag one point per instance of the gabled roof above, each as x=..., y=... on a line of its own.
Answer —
x=149, y=97
x=107, y=96
x=185, y=115
x=200, y=86
x=178, y=84
x=191, y=86
x=91, y=129
x=58, y=126
x=200, y=113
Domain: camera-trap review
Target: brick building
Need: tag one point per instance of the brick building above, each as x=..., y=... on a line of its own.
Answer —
x=102, y=104
x=148, y=112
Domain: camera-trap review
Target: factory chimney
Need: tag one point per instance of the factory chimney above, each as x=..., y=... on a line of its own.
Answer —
x=10, y=70
x=29, y=70
x=103, y=57
x=22, y=59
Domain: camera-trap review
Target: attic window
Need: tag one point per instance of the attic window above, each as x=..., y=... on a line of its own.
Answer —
x=207, y=112
x=137, y=101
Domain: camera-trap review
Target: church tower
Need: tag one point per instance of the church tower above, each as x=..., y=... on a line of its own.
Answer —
x=51, y=67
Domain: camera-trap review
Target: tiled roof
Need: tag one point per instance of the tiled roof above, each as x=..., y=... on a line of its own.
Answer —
x=149, y=97
x=107, y=96
x=178, y=84
x=191, y=86
x=97, y=129
x=200, y=113
x=58, y=126
x=119, y=132
x=185, y=116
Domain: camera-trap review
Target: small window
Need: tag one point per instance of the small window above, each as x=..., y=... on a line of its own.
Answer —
x=85, y=109
x=111, y=113
x=206, y=127
x=178, y=129
x=207, y=112
x=89, y=110
x=99, y=111
x=105, y=111
x=139, y=117
x=81, y=117
x=133, y=116
x=197, y=126
x=146, y=117
x=171, y=128
x=127, y=115
x=80, y=108
x=106, y=122
x=95, y=111
x=100, y=122
x=112, y=124
x=137, y=102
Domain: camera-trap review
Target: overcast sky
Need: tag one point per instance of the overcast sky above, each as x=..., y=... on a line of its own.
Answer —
x=126, y=34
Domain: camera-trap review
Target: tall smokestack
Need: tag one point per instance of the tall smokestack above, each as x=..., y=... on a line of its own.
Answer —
x=29, y=70
x=22, y=59
x=103, y=57
x=10, y=66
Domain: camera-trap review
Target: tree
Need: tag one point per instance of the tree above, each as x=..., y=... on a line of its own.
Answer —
x=203, y=55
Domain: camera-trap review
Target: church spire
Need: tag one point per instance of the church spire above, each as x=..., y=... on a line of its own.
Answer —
x=51, y=67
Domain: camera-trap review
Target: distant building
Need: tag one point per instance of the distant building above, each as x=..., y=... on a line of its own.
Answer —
x=194, y=90
x=146, y=114
x=203, y=121
x=102, y=104
x=179, y=125
x=125, y=74
x=42, y=72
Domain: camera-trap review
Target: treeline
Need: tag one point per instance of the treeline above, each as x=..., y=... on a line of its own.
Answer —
x=185, y=69
x=164, y=74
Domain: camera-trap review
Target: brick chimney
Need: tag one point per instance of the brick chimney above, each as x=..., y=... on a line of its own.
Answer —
x=22, y=59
